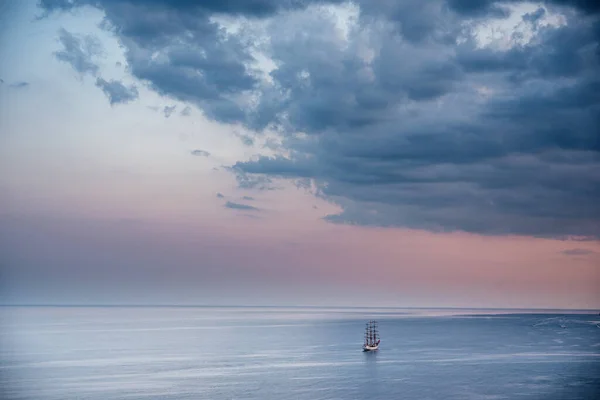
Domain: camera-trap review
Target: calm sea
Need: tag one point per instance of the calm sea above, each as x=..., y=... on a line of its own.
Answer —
x=295, y=353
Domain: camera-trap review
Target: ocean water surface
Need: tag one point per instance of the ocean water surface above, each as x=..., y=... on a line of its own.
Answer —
x=295, y=353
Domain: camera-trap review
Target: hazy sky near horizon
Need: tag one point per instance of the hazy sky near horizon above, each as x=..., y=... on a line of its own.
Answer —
x=314, y=152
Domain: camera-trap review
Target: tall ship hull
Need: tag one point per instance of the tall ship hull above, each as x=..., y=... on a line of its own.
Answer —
x=372, y=339
x=370, y=348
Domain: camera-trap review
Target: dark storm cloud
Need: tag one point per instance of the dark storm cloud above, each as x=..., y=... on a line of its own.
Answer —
x=588, y=6
x=478, y=8
x=239, y=206
x=415, y=21
x=408, y=121
x=252, y=8
x=176, y=48
x=117, y=92
x=562, y=52
x=494, y=8
x=534, y=16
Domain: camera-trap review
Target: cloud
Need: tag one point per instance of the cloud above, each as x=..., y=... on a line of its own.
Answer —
x=255, y=8
x=578, y=252
x=489, y=8
x=220, y=196
x=200, y=153
x=535, y=16
x=168, y=110
x=239, y=206
x=79, y=51
x=182, y=53
x=418, y=147
x=247, y=140
x=117, y=92
x=478, y=8
x=249, y=198
x=247, y=180
x=403, y=115
x=186, y=112
x=19, y=85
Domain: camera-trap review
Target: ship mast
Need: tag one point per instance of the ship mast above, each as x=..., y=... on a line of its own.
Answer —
x=371, y=336
x=371, y=333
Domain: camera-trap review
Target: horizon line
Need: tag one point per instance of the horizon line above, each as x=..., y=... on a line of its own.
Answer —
x=159, y=305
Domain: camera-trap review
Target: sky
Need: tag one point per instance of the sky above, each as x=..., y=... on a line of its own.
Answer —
x=300, y=152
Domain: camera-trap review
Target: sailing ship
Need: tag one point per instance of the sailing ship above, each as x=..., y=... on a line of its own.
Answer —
x=371, y=337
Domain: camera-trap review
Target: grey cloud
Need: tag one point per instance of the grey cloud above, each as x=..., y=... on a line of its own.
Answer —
x=117, y=92
x=402, y=123
x=254, y=8
x=342, y=91
x=19, y=85
x=220, y=195
x=284, y=167
x=200, y=153
x=79, y=51
x=486, y=166
x=478, y=8
x=186, y=112
x=587, y=6
x=180, y=52
x=578, y=252
x=239, y=206
x=415, y=21
x=494, y=8
x=247, y=140
x=168, y=110
x=248, y=180
x=535, y=16
x=249, y=198
x=565, y=51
